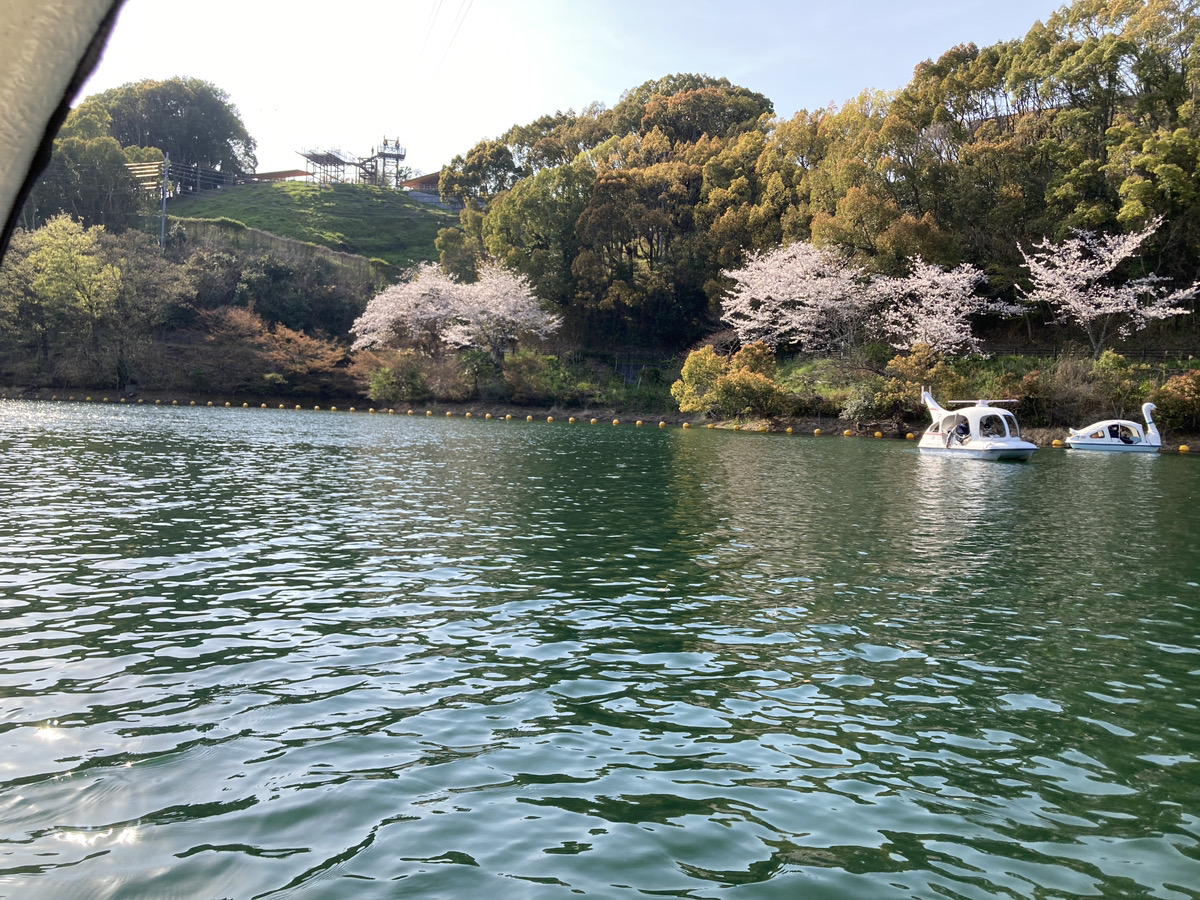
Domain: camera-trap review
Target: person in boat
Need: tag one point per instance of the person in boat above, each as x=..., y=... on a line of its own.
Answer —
x=961, y=430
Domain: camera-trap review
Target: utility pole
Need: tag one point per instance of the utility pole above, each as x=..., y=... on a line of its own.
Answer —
x=162, y=224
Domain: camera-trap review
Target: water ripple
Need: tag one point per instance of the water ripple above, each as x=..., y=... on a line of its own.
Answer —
x=252, y=655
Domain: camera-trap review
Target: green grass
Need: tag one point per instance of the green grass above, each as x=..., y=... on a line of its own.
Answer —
x=352, y=218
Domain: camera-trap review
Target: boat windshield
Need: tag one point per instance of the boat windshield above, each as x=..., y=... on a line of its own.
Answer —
x=993, y=425
x=1014, y=430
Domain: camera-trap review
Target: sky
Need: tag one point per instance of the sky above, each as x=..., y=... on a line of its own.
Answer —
x=442, y=75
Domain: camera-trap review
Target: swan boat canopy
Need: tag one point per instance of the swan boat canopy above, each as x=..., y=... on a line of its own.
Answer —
x=976, y=430
x=1118, y=435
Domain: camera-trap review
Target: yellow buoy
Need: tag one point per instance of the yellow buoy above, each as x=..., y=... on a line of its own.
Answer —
x=174, y=402
x=281, y=406
x=593, y=421
x=529, y=418
x=847, y=433
x=353, y=409
x=616, y=421
x=711, y=425
x=209, y=403
x=140, y=400
x=122, y=399
x=571, y=421
x=816, y=431
x=762, y=428
x=297, y=406
x=391, y=412
x=488, y=416
x=316, y=408
x=193, y=403
x=468, y=414
x=429, y=412
x=410, y=412
x=449, y=414
x=244, y=405
x=687, y=424
x=789, y=431
x=264, y=406
x=157, y=402
x=549, y=418
x=508, y=417
x=662, y=424
x=910, y=437
x=1056, y=443
x=1184, y=448
x=638, y=423
x=879, y=434
x=737, y=427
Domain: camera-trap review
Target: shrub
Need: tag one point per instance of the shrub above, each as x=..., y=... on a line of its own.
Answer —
x=746, y=393
x=1178, y=402
x=694, y=389
x=532, y=377
x=401, y=382
x=1121, y=382
x=900, y=395
x=861, y=405
x=756, y=357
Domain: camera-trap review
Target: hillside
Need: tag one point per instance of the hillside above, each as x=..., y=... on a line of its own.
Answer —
x=352, y=218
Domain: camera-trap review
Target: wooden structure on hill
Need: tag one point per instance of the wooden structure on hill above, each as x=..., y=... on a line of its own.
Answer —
x=381, y=168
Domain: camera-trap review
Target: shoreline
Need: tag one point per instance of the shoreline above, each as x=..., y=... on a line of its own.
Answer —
x=822, y=426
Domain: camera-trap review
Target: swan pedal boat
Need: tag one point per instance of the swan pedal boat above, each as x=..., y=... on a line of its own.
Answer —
x=1118, y=435
x=976, y=430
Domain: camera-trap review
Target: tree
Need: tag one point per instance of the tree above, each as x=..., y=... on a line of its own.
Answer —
x=190, y=119
x=430, y=310
x=151, y=289
x=75, y=285
x=1080, y=280
x=933, y=306
x=417, y=311
x=88, y=176
x=495, y=311
x=801, y=296
x=487, y=170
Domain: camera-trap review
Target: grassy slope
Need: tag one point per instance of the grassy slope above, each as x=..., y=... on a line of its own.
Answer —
x=360, y=219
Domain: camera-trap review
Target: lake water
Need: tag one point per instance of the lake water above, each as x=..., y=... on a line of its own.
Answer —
x=259, y=653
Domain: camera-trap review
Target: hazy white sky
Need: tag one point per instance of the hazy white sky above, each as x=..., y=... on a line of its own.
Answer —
x=441, y=75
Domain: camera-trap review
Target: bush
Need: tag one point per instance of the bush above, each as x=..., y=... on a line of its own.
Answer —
x=1178, y=402
x=746, y=393
x=861, y=405
x=1121, y=382
x=535, y=378
x=401, y=382
x=756, y=357
x=694, y=389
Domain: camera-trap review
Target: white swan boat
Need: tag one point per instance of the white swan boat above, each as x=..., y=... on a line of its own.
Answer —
x=1118, y=435
x=976, y=430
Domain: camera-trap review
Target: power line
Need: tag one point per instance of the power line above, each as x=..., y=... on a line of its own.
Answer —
x=464, y=7
x=429, y=28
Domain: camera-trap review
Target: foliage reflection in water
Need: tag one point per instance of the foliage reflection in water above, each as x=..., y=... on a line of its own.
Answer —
x=259, y=653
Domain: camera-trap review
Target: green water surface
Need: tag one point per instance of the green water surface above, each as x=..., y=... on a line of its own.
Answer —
x=263, y=653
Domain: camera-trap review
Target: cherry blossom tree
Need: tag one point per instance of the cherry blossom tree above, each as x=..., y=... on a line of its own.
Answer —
x=432, y=310
x=495, y=311
x=1078, y=280
x=933, y=306
x=418, y=310
x=799, y=295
